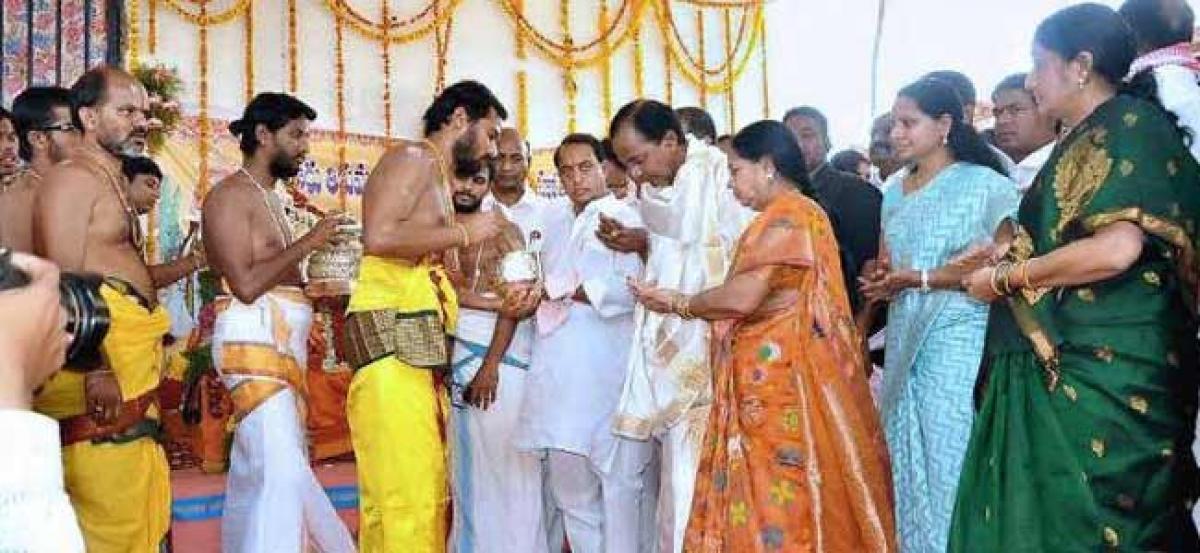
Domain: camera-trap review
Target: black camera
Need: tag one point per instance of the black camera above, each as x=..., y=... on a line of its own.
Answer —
x=87, y=313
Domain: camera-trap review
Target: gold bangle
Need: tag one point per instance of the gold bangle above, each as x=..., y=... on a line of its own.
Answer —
x=686, y=307
x=1028, y=282
x=998, y=273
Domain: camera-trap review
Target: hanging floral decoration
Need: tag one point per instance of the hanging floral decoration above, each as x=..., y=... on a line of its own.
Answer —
x=163, y=86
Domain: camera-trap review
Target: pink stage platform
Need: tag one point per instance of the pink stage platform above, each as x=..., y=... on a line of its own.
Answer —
x=197, y=500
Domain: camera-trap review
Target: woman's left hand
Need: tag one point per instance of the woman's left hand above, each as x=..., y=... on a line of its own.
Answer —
x=887, y=286
x=655, y=299
x=979, y=285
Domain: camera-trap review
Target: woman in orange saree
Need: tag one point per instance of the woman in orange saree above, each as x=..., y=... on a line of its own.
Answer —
x=794, y=458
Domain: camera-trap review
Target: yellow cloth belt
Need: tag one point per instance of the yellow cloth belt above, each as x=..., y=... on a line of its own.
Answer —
x=397, y=416
x=120, y=492
x=264, y=360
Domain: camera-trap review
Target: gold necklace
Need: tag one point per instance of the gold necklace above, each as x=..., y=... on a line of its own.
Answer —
x=131, y=216
x=447, y=197
x=285, y=233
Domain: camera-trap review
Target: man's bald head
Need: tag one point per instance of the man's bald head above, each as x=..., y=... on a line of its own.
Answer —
x=512, y=162
x=110, y=106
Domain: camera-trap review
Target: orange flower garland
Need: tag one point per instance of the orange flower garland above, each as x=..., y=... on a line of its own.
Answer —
x=293, y=50
x=249, y=54
x=387, y=70
x=700, y=34
x=605, y=69
x=729, y=97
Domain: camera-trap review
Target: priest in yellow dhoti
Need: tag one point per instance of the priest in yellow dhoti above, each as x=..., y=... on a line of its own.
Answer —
x=115, y=472
x=402, y=307
x=117, y=475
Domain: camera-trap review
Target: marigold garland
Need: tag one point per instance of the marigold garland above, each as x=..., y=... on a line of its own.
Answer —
x=204, y=123
x=441, y=45
x=204, y=18
x=724, y=3
x=565, y=53
x=293, y=50
x=670, y=82
x=386, y=55
x=689, y=73
x=152, y=28
x=248, y=57
x=605, y=69
x=639, y=63
x=339, y=77
x=134, y=25
x=564, y=23
x=386, y=31
x=685, y=55
x=522, y=77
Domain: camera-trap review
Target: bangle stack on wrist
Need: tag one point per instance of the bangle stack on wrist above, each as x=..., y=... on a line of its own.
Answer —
x=681, y=305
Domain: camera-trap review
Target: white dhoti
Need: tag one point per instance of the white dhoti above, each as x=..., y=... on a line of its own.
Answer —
x=497, y=488
x=273, y=501
x=692, y=227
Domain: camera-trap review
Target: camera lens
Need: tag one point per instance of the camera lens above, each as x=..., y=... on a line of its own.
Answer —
x=88, y=319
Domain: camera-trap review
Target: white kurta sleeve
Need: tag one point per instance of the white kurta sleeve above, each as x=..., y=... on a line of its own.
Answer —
x=35, y=514
x=605, y=274
x=1179, y=94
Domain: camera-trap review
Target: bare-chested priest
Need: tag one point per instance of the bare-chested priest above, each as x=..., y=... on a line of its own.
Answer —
x=116, y=473
x=273, y=501
x=401, y=309
x=45, y=134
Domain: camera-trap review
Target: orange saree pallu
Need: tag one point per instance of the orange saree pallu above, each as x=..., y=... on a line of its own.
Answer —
x=795, y=458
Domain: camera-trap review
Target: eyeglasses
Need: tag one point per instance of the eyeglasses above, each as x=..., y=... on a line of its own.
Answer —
x=63, y=127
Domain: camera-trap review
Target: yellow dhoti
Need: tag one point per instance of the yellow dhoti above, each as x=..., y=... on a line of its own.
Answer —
x=120, y=489
x=397, y=414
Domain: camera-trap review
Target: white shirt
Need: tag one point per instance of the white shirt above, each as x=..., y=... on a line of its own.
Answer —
x=526, y=213
x=580, y=351
x=1179, y=94
x=1029, y=167
x=35, y=514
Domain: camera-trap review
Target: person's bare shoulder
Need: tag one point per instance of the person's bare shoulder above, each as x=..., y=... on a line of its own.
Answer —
x=407, y=161
x=231, y=192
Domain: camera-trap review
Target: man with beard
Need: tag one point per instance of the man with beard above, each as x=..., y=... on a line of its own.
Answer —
x=115, y=471
x=45, y=135
x=273, y=501
x=145, y=181
x=401, y=309
x=497, y=488
x=692, y=226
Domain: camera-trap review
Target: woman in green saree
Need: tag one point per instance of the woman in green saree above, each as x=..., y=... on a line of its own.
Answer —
x=1082, y=440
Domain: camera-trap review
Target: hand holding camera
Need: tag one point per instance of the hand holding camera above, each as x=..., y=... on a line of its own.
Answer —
x=33, y=337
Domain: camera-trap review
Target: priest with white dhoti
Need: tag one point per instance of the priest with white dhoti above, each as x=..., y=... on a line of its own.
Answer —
x=692, y=226
x=584, y=328
x=273, y=501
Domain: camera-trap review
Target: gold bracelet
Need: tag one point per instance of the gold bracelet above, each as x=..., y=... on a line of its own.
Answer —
x=685, y=307
x=995, y=280
x=1028, y=282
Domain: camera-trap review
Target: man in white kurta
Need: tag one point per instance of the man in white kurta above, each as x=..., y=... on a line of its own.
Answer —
x=497, y=488
x=692, y=225
x=584, y=328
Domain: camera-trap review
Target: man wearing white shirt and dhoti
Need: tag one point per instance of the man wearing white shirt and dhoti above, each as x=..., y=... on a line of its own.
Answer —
x=273, y=501
x=584, y=329
x=692, y=226
x=510, y=192
x=497, y=488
